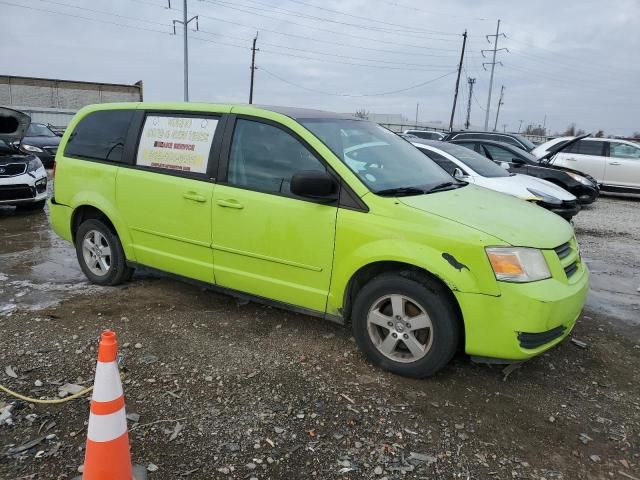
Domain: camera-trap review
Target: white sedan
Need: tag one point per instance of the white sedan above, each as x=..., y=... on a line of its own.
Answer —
x=614, y=163
x=23, y=179
x=467, y=165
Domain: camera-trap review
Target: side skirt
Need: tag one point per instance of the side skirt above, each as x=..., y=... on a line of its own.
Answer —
x=243, y=295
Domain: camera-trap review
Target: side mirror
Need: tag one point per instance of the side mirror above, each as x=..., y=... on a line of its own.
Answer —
x=505, y=165
x=314, y=185
x=518, y=161
x=458, y=174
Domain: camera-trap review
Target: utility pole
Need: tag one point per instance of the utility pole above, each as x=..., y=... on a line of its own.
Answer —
x=471, y=81
x=253, y=66
x=185, y=23
x=504, y=127
x=417, y=107
x=500, y=103
x=520, y=127
x=455, y=95
x=493, y=66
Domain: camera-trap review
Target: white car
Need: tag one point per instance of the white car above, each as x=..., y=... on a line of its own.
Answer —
x=23, y=179
x=465, y=164
x=615, y=164
x=425, y=134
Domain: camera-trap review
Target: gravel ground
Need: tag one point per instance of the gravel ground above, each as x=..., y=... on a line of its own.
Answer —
x=217, y=388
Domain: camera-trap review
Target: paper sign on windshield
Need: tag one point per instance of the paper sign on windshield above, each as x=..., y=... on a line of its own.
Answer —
x=176, y=143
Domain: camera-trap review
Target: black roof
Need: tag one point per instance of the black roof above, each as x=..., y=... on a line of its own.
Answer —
x=484, y=140
x=307, y=113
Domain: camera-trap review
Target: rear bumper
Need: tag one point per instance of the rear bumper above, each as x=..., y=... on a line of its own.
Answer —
x=526, y=319
x=60, y=218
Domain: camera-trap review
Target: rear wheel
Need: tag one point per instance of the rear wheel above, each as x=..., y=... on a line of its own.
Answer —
x=100, y=254
x=406, y=323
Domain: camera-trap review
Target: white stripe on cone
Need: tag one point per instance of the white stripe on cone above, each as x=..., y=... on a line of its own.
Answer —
x=104, y=428
x=107, y=386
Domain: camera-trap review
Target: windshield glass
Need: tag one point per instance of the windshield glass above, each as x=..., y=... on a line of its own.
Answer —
x=476, y=162
x=39, y=130
x=380, y=158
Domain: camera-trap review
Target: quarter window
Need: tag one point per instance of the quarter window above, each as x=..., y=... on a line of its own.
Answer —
x=264, y=158
x=100, y=136
x=499, y=154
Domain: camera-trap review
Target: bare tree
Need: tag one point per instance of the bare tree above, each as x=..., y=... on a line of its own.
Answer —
x=636, y=135
x=363, y=114
x=580, y=132
x=570, y=131
x=599, y=134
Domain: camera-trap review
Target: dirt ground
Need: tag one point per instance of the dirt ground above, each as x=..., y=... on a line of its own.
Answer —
x=218, y=388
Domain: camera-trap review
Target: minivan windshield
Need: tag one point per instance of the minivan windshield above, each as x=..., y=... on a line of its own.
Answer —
x=380, y=158
x=476, y=162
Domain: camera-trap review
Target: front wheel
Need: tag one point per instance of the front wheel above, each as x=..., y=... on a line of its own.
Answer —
x=406, y=324
x=100, y=254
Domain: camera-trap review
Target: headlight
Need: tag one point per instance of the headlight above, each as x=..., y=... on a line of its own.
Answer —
x=34, y=164
x=31, y=148
x=518, y=264
x=580, y=178
x=544, y=197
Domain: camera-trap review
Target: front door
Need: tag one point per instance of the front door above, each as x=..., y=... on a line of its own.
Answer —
x=267, y=241
x=623, y=165
x=166, y=198
x=585, y=156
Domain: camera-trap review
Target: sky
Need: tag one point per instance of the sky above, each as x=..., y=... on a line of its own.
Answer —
x=567, y=62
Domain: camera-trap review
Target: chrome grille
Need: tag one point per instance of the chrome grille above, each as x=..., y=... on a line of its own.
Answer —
x=12, y=169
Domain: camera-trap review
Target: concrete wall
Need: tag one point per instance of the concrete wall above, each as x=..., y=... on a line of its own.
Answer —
x=58, y=100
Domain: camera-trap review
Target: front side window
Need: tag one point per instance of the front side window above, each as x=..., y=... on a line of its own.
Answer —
x=624, y=150
x=264, y=158
x=585, y=147
x=100, y=136
x=499, y=154
x=443, y=162
x=179, y=143
x=476, y=162
x=380, y=158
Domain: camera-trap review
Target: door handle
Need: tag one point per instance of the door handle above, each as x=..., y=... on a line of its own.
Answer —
x=615, y=163
x=231, y=203
x=194, y=197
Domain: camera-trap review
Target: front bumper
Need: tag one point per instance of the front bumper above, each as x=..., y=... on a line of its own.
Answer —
x=24, y=189
x=525, y=319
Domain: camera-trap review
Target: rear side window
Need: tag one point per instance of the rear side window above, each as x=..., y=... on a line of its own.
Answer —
x=179, y=143
x=499, y=154
x=100, y=136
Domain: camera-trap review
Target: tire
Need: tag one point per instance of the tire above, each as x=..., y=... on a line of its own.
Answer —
x=419, y=300
x=31, y=207
x=100, y=254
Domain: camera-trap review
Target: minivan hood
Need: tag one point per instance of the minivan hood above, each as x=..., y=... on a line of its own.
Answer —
x=505, y=217
x=13, y=124
x=518, y=185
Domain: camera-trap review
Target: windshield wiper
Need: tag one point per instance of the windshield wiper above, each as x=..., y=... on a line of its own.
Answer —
x=401, y=191
x=445, y=186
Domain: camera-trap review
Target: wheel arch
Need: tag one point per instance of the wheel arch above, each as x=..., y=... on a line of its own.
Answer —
x=367, y=272
x=88, y=211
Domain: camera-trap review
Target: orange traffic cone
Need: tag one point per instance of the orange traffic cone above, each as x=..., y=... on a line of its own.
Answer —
x=107, y=454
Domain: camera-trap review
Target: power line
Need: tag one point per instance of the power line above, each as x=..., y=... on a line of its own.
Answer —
x=368, y=18
x=392, y=92
x=220, y=3
x=303, y=37
x=334, y=55
x=284, y=11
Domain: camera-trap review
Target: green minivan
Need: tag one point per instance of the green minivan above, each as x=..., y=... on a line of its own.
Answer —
x=324, y=214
